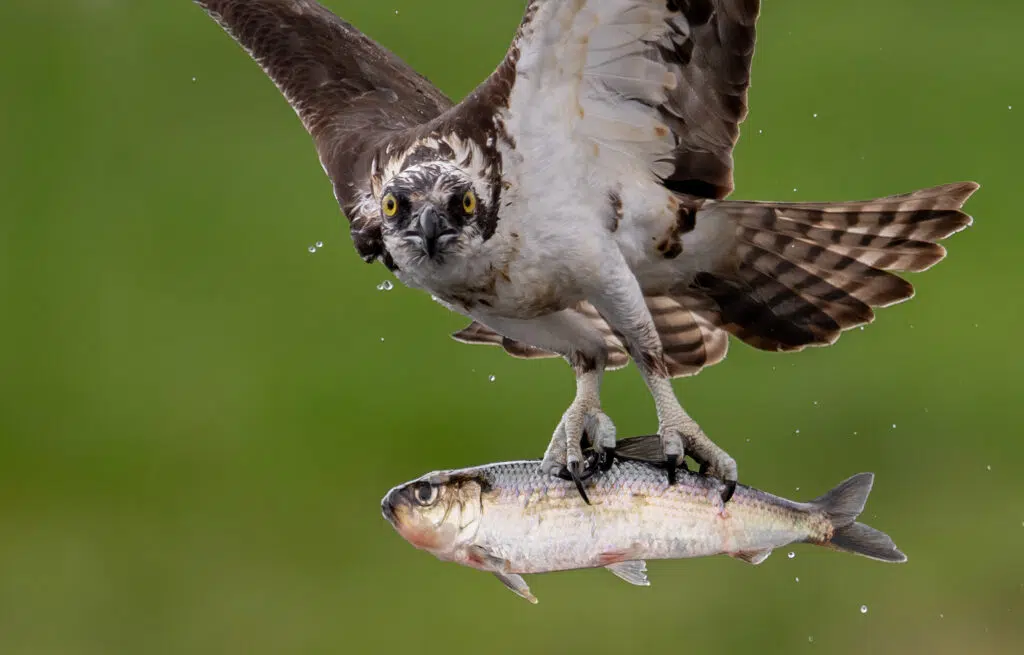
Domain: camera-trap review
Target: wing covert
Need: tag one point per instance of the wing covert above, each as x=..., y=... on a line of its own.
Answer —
x=644, y=82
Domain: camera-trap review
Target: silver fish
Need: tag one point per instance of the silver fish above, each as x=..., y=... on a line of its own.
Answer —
x=511, y=519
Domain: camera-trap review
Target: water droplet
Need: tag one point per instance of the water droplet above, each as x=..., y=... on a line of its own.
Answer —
x=791, y=555
x=893, y=426
x=815, y=402
x=942, y=616
x=382, y=339
x=194, y=79
x=863, y=609
x=798, y=488
x=794, y=189
x=748, y=439
x=385, y=286
x=760, y=131
x=798, y=431
x=798, y=578
x=492, y=378
x=989, y=467
x=319, y=244
x=810, y=639
x=312, y=249
x=815, y=115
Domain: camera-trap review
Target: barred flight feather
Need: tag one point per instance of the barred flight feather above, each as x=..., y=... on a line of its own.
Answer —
x=802, y=273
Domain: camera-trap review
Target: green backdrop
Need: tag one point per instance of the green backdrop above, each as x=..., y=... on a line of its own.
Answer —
x=198, y=417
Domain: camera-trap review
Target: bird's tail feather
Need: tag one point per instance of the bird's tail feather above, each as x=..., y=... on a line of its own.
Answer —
x=802, y=273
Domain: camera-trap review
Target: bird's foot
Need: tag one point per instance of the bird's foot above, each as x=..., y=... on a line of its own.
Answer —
x=564, y=456
x=684, y=437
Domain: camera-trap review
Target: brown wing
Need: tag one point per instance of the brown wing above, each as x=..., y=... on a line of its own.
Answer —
x=656, y=83
x=352, y=95
x=705, y=110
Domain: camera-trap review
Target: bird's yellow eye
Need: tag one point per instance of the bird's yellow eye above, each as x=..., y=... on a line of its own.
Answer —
x=390, y=205
x=469, y=202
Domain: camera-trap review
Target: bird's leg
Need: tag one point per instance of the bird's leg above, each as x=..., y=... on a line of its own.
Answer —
x=576, y=338
x=621, y=303
x=584, y=414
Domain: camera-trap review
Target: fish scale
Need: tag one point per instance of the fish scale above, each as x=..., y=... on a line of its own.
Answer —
x=510, y=519
x=538, y=523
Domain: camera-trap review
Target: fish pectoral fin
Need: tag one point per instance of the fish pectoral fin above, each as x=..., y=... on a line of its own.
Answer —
x=752, y=556
x=517, y=584
x=633, y=572
x=482, y=558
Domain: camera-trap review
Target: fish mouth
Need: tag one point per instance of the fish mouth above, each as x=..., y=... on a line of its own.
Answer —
x=387, y=508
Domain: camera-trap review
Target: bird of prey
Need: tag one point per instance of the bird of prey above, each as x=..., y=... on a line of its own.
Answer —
x=574, y=204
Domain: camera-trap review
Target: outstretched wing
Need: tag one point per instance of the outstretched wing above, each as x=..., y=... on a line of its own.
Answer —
x=634, y=84
x=650, y=85
x=352, y=95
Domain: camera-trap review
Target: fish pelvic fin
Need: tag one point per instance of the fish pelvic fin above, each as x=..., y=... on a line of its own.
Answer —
x=633, y=572
x=843, y=505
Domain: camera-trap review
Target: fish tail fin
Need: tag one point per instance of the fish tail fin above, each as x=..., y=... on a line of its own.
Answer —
x=842, y=505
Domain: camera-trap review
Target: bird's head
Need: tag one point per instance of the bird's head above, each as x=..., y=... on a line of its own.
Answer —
x=431, y=211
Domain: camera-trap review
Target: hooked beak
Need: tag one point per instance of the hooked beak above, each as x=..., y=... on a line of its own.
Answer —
x=431, y=226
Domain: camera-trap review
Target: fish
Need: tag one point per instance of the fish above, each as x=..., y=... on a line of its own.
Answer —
x=510, y=519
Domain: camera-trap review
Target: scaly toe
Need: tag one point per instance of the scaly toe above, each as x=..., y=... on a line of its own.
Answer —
x=555, y=456
x=600, y=430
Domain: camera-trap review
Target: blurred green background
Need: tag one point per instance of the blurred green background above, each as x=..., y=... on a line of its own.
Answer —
x=198, y=417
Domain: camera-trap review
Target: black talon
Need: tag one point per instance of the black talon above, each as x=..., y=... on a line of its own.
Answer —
x=672, y=463
x=730, y=489
x=607, y=458
x=574, y=473
x=703, y=470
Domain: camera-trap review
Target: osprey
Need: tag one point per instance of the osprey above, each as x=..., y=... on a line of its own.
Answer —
x=574, y=203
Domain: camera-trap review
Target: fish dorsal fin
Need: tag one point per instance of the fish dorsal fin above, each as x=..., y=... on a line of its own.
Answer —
x=647, y=448
x=752, y=556
x=633, y=572
x=516, y=583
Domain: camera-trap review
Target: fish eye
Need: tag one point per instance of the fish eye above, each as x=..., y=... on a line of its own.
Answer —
x=469, y=202
x=390, y=205
x=425, y=493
